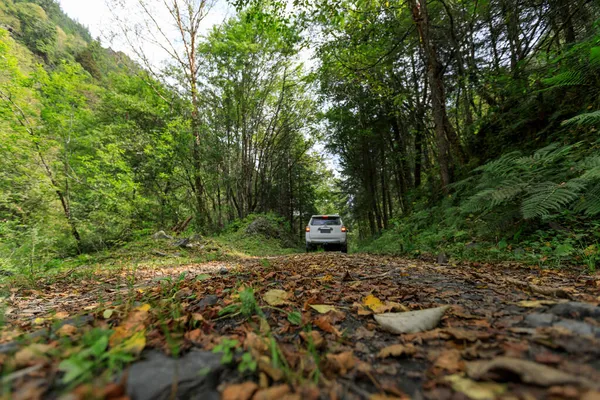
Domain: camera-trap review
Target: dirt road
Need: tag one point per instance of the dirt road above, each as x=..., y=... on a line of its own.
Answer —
x=310, y=326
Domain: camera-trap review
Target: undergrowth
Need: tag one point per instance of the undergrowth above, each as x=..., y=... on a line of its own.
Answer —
x=538, y=208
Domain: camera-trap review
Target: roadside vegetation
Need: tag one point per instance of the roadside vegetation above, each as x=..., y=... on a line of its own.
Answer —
x=152, y=217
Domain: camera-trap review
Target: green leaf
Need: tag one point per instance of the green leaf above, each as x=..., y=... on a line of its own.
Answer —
x=295, y=318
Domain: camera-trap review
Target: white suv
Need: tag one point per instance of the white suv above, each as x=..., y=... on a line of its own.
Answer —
x=326, y=230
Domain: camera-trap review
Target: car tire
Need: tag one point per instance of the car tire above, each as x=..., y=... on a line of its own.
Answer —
x=308, y=248
x=345, y=248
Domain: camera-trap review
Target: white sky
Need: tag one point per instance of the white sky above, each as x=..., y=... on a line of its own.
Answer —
x=96, y=15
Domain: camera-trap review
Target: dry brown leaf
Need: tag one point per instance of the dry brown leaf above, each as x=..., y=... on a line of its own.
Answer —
x=264, y=365
x=67, y=330
x=272, y=393
x=343, y=362
x=468, y=335
x=32, y=354
x=527, y=371
x=591, y=395
x=313, y=337
x=241, y=391
x=324, y=323
x=61, y=315
x=397, y=350
x=255, y=344
x=362, y=333
x=450, y=361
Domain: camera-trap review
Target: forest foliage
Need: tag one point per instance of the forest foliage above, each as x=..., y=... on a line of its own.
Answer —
x=462, y=126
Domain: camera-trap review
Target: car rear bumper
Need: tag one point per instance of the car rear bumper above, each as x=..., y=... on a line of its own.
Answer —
x=326, y=241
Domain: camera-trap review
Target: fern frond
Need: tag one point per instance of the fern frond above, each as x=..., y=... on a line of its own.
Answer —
x=502, y=166
x=590, y=118
x=590, y=202
x=546, y=197
x=568, y=78
x=506, y=193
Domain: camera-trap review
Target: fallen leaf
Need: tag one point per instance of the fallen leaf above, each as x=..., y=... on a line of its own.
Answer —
x=378, y=396
x=535, y=303
x=272, y=393
x=343, y=362
x=390, y=306
x=411, y=321
x=591, y=395
x=313, y=337
x=449, y=361
x=527, y=371
x=372, y=302
x=276, y=297
x=32, y=354
x=133, y=345
x=61, y=315
x=397, y=350
x=67, y=330
x=108, y=313
x=193, y=335
x=475, y=390
x=362, y=333
x=323, y=308
x=463, y=334
x=241, y=391
x=324, y=323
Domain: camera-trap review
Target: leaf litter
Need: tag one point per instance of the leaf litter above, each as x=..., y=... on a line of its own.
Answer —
x=316, y=326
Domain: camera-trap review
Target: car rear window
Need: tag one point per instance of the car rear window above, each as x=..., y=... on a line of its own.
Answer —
x=326, y=221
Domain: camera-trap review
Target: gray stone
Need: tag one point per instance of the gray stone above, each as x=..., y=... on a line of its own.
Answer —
x=536, y=320
x=576, y=310
x=194, y=376
x=161, y=235
x=578, y=327
x=77, y=321
x=184, y=243
x=442, y=259
x=207, y=301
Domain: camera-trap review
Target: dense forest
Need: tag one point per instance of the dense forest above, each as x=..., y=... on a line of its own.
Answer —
x=463, y=126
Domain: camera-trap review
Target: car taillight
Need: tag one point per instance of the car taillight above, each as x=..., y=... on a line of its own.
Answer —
x=308, y=229
x=344, y=229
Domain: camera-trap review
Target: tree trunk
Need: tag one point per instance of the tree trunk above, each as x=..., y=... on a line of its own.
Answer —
x=445, y=135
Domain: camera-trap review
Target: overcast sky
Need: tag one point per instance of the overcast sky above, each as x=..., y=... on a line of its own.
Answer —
x=96, y=15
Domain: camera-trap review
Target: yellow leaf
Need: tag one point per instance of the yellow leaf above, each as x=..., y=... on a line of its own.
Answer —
x=38, y=321
x=475, y=390
x=133, y=345
x=372, y=302
x=120, y=334
x=276, y=297
x=322, y=308
x=108, y=313
x=145, y=307
x=327, y=278
x=535, y=303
